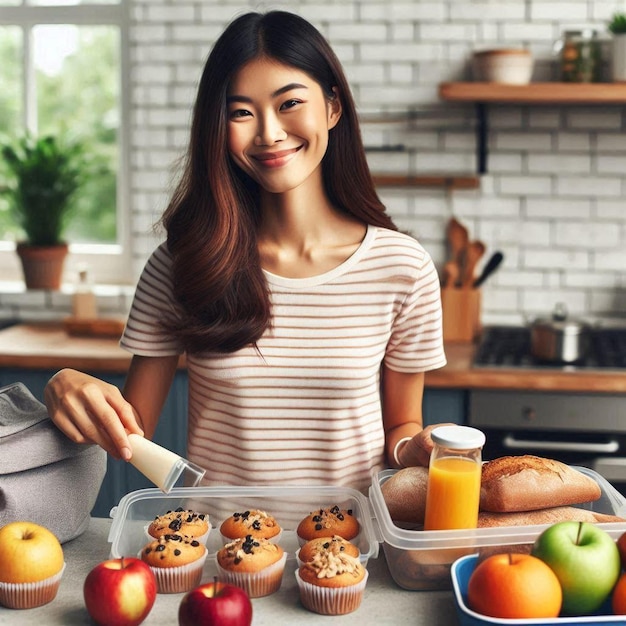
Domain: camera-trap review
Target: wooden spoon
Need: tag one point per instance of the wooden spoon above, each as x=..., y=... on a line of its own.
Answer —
x=458, y=237
x=472, y=254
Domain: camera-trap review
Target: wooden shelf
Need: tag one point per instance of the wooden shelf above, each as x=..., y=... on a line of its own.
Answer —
x=448, y=181
x=483, y=94
x=535, y=93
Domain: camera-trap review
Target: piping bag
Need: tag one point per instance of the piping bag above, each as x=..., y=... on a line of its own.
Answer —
x=164, y=468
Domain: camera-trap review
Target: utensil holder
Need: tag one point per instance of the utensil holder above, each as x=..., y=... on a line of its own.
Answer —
x=461, y=313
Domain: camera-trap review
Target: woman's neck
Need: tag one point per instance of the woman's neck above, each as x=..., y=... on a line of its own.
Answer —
x=302, y=234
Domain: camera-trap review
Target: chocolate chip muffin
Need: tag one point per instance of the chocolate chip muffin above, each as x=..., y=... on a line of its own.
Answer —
x=176, y=561
x=254, y=522
x=181, y=522
x=328, y=522
x=334, y=544
x=255, y=564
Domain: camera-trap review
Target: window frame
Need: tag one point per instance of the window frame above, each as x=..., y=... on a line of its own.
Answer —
x=108, y=263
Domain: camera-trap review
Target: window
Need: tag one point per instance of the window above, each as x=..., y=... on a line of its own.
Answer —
x=62, y=73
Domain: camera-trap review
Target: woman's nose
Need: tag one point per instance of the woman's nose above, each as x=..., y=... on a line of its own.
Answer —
x=269, y=130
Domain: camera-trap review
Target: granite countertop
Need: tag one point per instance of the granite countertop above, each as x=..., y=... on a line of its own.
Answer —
x=383, y=603
x=48, y=346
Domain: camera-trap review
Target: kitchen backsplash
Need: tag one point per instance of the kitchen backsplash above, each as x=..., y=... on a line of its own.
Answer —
x=553, y=197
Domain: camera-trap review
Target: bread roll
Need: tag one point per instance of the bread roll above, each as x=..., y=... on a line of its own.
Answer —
x=405, y=494
x=544, y=516
x=528, y=483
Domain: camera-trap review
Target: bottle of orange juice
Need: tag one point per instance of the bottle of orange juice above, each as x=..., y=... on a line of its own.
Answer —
x=454, y=473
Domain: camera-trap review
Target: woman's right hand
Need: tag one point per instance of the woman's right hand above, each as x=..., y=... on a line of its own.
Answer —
x=90, y=410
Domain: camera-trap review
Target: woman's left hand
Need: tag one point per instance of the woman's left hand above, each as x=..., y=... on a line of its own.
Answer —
x=417, y=451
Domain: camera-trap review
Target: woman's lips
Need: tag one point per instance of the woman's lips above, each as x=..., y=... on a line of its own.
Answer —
x=275, y=159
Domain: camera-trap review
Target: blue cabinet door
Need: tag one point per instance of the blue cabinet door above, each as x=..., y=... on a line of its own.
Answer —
x=444, y=405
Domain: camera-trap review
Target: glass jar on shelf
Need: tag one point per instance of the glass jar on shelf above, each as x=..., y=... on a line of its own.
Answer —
x=580, y=56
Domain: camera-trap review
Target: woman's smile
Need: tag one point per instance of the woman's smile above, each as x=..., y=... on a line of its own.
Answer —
x=276, y=159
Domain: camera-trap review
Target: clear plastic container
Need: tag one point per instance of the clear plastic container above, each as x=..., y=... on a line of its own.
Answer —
x=287, y=503
x=421, y=559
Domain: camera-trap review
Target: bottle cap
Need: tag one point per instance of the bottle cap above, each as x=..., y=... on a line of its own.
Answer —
x=458, y=437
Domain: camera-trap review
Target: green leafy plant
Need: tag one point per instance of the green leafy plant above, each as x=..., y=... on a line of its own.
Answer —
x=617, y=25
x=42, y=176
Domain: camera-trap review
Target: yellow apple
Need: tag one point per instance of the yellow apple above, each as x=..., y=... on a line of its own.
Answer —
x=28, y=553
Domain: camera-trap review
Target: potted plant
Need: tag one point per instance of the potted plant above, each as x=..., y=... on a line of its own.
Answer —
x=617, y=27
x=43, y=175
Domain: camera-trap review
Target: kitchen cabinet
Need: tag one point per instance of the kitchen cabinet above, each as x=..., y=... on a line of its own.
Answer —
x=482, y=94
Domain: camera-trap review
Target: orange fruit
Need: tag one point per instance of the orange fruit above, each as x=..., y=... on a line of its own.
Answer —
x=618, y=602
x=515, y=586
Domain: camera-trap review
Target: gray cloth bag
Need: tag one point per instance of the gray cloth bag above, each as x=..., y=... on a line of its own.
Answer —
x=44, y=477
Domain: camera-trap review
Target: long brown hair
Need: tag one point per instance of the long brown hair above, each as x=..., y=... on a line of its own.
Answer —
x=212, y=218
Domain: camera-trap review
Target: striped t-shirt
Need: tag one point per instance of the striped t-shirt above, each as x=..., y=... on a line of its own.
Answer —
x=305, y=408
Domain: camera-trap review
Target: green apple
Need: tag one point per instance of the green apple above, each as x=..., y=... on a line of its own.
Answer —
x=586, y=561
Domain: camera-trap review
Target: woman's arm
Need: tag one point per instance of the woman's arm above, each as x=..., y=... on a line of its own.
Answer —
x=406, y=441
x=90, y=410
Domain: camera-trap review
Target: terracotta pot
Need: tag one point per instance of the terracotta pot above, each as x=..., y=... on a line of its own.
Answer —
x=42, y=265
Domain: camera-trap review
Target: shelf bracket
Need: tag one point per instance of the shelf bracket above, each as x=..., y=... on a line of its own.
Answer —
x=482, y=129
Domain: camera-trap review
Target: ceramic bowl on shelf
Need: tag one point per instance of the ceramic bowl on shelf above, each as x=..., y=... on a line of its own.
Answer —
x=509, y=66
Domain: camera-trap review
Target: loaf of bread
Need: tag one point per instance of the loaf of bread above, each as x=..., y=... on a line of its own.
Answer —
x=528, y=483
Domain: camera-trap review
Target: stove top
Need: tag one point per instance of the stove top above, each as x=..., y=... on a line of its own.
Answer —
x=509, y=347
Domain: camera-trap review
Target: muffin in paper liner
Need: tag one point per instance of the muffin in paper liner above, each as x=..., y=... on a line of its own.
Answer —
x=30, y=595
x=331, y=600
x=201, y=538
x=255, y=584
x=179, y=579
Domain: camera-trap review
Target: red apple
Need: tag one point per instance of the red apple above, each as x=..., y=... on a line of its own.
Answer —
x=215, y=604
x=120, y=592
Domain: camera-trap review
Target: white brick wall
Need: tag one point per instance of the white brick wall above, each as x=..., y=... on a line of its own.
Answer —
x=553, y=199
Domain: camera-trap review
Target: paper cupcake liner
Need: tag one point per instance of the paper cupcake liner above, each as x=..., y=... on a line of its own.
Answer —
x=255, y=584
x=331, y=600
x=30, y=595
x=201, y=538
x=179, y=579
x=275, y=539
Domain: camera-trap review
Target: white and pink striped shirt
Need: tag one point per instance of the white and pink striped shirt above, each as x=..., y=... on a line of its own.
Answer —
x=305, y=408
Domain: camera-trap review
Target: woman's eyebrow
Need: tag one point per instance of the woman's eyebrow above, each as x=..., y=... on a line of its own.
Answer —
x=278, y=92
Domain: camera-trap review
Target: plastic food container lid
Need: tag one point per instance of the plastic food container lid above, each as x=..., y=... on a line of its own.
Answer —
x=458, y=437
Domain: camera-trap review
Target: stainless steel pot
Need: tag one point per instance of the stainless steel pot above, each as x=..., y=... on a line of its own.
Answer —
x=559, y=339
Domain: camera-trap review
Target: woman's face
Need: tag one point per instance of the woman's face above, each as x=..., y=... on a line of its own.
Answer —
x=278, y=123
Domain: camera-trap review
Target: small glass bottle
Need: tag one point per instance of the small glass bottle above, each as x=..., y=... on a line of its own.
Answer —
x=454, y=474
x=84, y=299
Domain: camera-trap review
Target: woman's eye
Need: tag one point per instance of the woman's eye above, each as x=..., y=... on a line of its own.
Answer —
x=290, y=103
x=239, y=113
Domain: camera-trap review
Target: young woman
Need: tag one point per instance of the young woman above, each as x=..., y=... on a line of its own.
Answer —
x=307, y=320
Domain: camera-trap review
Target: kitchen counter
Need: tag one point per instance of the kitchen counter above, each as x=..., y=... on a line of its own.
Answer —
x=383, y=603
x=48, y=346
